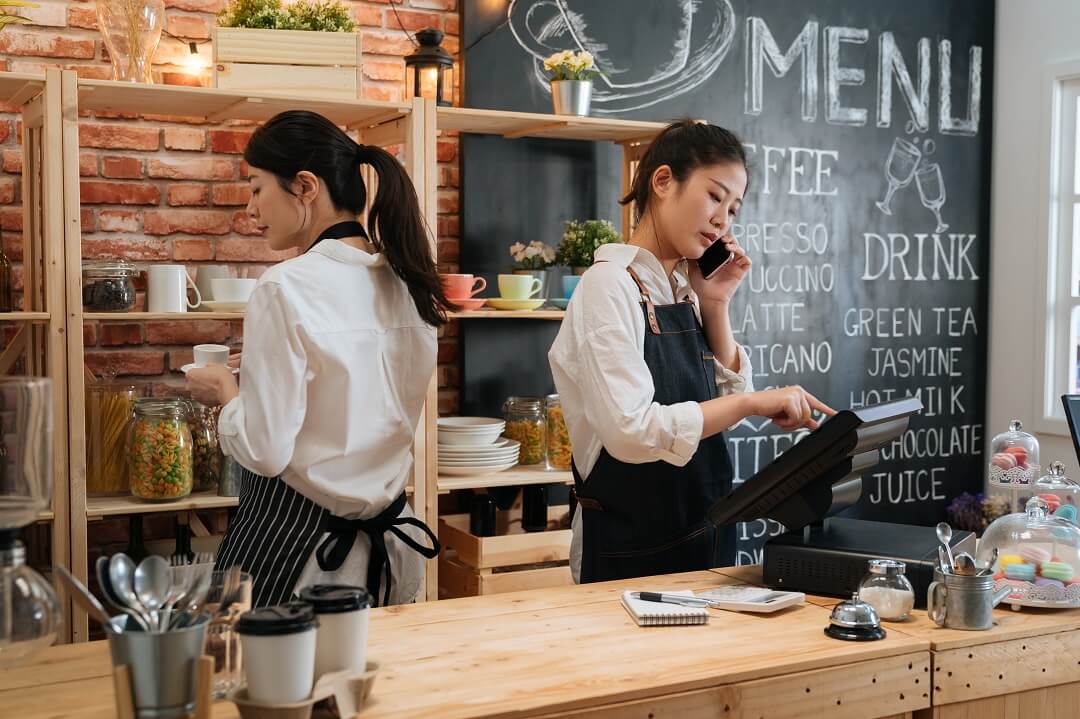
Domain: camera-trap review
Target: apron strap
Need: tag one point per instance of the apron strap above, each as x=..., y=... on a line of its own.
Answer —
x=650, y=310
x=332, y=552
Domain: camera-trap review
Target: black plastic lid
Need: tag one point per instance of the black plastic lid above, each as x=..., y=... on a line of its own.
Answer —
x=335, y=598
x=291, y=618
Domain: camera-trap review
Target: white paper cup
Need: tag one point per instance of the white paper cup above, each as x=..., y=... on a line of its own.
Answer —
x=279, y=652
x=231, y=289
x=343, y=626
x=210, y=354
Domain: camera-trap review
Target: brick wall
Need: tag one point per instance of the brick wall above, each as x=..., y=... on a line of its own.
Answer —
x=160, y=189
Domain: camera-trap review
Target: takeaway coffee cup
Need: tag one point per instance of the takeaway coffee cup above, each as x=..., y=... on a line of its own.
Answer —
x=341, y=639
x=279, y=652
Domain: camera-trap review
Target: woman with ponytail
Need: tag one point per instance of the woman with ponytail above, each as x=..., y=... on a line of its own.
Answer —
x=339, y=346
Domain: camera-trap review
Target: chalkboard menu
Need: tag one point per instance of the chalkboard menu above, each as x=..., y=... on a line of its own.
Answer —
x=868, y=128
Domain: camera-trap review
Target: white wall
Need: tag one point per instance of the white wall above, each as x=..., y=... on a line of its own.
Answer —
x=1031, y=34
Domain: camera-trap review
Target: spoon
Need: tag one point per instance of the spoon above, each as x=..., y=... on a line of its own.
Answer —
x=944, y=535
x=152, y=584
x=943, y=563
x=989, y=568
x=965, y=565
x=102, y=569
x=121, y=575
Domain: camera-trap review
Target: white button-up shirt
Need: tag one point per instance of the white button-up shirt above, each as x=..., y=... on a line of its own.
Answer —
x=335, y=370
x=606, y=389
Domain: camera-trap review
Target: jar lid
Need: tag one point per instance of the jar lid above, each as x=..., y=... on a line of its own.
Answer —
x=290, y=618
x=552, y=399
x=526, y=404
x=886, y=566
x=122, y=268
x=335, y=598
x=163, y=406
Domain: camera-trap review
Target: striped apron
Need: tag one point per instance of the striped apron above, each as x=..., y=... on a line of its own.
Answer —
x=276, y=530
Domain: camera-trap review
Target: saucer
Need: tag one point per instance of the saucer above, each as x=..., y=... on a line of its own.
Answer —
x=559, y=302
x=221, y=306
x=469, y=303
x=191, y=366
x=500, y=303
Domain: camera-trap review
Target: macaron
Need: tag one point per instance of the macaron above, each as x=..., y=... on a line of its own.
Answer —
x=1003, y=460
x=1052, y=500
x=1034, y=555
x=1066, y=511
x=1006, y=559
x=1022, y=571
x=1062, y=571
x=1019, y=453
x=1047, y=582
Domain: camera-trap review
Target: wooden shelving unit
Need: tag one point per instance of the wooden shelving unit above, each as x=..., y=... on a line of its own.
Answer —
x=408, y=125
x=634, y=138
x=40, y=340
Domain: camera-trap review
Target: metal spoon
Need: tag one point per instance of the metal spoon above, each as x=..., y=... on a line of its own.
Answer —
x=989, y=568
x=102, y=569
x=152, y=584
x=965, y=565
x=944, y=535
x=943, y=563
x=121, y=575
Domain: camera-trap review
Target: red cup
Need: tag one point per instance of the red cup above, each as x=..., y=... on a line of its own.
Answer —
x=462, y=287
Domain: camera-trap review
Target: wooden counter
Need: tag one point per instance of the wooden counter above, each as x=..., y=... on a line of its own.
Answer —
x=1026, y=667
x=571, y=652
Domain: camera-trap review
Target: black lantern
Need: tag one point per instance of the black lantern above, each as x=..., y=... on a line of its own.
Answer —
x=429, y=71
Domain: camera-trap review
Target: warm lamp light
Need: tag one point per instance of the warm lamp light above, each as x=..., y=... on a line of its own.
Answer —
x=429, y=71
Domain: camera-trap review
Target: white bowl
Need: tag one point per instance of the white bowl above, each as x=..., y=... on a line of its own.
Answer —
x=467, y=423
x=465, y=471
x=232, y=289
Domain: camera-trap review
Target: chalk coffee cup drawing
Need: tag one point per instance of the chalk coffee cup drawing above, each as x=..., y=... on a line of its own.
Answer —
x=166, y=289
x=229, y=289
x=210, y=354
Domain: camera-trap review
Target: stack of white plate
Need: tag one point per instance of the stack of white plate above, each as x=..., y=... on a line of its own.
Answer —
x=472, y=445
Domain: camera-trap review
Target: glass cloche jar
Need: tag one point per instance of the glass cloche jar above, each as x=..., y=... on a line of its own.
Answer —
x=1014, y=456
x=1061, y=494
x=1037, y=554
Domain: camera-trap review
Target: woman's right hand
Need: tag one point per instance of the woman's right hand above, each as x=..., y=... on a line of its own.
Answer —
x=789, y=408
x=234, y=360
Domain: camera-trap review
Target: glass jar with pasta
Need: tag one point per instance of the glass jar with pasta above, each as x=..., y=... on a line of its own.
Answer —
x=558, y=439
x=159, y=449
x=525, y=423
x=109, y=407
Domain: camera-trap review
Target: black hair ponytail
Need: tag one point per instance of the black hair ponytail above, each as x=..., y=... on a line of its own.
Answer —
x=298, y=140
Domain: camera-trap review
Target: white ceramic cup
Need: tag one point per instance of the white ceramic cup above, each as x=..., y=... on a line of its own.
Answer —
x=166, y=289
x=229, y=289
x=210, y=354
x=519, y=287
x=205, y=274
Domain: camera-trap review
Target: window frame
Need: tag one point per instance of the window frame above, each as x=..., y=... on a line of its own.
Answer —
x=1059, y=195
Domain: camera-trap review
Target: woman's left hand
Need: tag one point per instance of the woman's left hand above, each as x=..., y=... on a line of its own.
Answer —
x=212, y=385
x=720, y=288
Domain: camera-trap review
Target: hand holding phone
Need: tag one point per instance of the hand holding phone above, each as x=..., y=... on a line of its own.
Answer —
x=716, y=256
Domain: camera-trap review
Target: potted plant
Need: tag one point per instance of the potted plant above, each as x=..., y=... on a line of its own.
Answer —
x=533, y=259
x=580, y=240
x=308, y=48
x=572, y=74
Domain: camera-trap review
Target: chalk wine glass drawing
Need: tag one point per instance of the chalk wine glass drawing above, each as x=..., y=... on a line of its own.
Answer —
x=907, y=162
x=899, y=170
x=932, y=191
x=687, y=42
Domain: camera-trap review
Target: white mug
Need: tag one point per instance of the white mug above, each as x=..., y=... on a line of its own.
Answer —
x=205, y=275
x=166, y=289
x=210, y=354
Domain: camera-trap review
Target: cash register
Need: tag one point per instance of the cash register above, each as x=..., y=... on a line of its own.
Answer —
x=817, y=478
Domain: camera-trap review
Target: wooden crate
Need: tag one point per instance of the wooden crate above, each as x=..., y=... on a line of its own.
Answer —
x=293, y=62
x=510, y=562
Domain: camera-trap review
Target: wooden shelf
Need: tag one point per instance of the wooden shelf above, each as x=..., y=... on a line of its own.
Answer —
x=216, y=105
x=507, y=315
x=24, y=316
x=147, y=316
x=98, y=507
x=17, y=87
x=533, y=474
x=559, y=127
x=46, y=516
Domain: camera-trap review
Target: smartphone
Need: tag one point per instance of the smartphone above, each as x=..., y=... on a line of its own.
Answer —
x=715, y=257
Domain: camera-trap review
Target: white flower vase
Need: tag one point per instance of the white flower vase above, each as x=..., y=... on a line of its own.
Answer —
x=542, y=275
x=571, y=97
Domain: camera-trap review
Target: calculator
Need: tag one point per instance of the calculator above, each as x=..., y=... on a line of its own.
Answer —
x=745, y=598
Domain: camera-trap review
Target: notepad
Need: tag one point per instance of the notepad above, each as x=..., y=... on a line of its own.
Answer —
x=657, y=614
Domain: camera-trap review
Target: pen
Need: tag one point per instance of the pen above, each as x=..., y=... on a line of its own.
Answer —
x=682, y=599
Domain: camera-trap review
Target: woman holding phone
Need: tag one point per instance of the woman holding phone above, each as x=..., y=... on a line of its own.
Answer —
x=339, y=346
x=650, y=374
